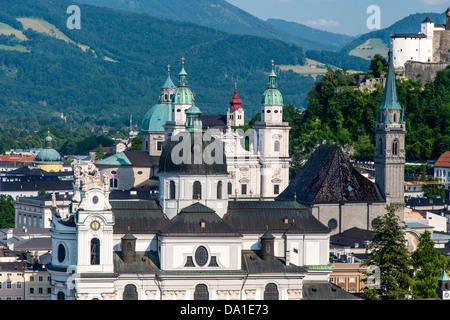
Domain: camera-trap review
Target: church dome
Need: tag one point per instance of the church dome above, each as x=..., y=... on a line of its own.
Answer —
x=272, y=97
x=156, y=117
x=48, y=154
x=200, y=146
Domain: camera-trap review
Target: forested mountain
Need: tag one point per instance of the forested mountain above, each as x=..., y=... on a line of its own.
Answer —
x=410, y=24
x=320, y=40
x=223, y=16
x=52, y=76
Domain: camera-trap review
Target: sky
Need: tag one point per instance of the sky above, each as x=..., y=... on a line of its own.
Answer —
x=349, y=17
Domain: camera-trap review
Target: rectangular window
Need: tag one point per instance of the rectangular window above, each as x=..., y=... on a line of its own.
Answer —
x=31, y=290
x=40, y=278
x=40, y=290
x=8, y=285
x=19, y=285
x=276, y=189
x=243, y=189
x=31, y=278
x=159, y=145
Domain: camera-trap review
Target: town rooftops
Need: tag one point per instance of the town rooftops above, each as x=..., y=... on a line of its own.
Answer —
x=408, y=35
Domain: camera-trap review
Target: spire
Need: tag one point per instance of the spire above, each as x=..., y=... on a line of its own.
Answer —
x=390, y=99
x=272, y=78
x=182, y=76
x=235, y=102
x=168, y=83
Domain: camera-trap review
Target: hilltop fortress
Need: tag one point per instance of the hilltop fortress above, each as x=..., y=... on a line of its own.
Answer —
x=424, y=53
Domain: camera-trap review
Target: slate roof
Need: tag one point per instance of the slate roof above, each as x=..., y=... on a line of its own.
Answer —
x=324, y=290
x=218, y=121
x=408, y=35
x=189, y=223
x=252, y=263
x=139, y=216
x=257, y=217
x=36, y=185
x=351, y=236
x=328, y=176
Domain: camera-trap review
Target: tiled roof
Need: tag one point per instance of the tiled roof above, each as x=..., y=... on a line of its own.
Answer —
x=328, y=176
x=443, y=161
x=252, y=263
x=352, y=236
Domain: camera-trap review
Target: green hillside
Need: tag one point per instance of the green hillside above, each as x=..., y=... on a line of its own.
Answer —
x=57, y=75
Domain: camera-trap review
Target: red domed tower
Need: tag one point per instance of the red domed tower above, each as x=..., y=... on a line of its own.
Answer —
x=235, y=113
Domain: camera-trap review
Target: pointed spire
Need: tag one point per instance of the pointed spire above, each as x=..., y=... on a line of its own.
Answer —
x=182, y=76
x=390, y=99
x=272, y=77
x=168, y=83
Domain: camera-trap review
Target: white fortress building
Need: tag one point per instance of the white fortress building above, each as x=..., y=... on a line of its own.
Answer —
x=425, y=46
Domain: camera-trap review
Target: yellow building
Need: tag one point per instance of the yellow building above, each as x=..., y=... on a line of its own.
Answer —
x=49, y=159
x=37, y=284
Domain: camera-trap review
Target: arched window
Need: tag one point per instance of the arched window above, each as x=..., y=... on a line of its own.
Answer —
x=201, y=292
x=395, y=147
x=130, y=292
x=197, y=190
x=230, y=188
x=219, y=190
x=61, y=295
x=395, y=117
x=271, y=292
x=95, y=251
x=172, y=189
x=276, y=146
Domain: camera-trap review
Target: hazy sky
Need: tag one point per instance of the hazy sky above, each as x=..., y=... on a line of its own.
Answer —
x=340, y=16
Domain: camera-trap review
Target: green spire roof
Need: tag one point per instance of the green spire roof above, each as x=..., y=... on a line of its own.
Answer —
x=272, y=97
x=182, y=95
x=168, y=83
x=390, y=99
x=193, y=119
x=444, y=276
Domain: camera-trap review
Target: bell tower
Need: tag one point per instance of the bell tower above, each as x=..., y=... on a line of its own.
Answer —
x=390, y=144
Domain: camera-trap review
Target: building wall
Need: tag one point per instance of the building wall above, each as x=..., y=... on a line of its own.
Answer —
x=415, y=49
x=37, y=285
x=443, y=175
x=12, y=284
x=348, y=215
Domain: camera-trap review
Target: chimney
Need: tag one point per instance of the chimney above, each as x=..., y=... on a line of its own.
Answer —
x=288, y=258
x=9, y=234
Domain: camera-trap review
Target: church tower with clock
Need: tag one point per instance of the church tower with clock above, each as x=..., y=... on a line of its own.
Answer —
x=84, y=243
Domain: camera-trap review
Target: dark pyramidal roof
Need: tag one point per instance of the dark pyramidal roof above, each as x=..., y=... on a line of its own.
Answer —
x=328, y=176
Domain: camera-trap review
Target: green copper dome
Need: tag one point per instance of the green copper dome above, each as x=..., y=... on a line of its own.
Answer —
x=48, y=154
x=156, y=117
x=272, y=97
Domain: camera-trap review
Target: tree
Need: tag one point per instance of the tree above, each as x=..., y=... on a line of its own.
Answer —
x=7, y=211
x=427, y=263
x=388, y=252
x=378, y=65
x=99, y=154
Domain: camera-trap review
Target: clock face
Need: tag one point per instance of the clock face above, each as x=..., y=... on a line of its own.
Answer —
x=95, y=225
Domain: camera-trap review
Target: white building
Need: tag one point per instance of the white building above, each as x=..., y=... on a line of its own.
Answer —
x=421, y=46
x=442, y=169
